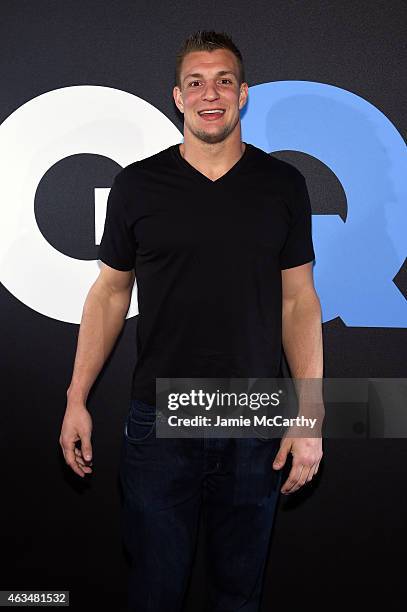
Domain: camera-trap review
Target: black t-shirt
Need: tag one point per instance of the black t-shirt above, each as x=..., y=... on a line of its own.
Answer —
x=208, y=257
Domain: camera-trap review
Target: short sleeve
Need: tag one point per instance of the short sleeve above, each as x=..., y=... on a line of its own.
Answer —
x=117, y=248
x=298, y=248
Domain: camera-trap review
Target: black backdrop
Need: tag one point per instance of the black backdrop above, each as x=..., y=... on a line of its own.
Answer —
x=340, y=540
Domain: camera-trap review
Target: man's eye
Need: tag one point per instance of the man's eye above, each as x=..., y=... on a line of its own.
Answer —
x=192, y=83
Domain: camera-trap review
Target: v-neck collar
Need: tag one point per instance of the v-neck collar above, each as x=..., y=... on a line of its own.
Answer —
x=202, y=177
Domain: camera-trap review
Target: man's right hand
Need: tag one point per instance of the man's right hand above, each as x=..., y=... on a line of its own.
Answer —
x=77, y=426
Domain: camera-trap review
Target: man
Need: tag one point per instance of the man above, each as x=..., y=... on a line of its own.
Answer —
x=218, y=235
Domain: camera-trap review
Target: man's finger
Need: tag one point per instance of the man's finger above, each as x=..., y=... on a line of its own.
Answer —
x=70, y=459
x=311, y=473
x=281, y=457
x=81, y=462
x=86, y=448
x=75, y=467
x=302, y=480
x=293, y=478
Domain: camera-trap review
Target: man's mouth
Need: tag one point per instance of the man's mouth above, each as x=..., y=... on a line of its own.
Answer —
x=211, y=114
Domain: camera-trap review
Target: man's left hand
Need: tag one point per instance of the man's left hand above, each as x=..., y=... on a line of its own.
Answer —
x=307, y=454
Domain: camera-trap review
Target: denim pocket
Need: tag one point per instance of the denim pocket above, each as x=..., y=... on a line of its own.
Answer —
x=140, y=422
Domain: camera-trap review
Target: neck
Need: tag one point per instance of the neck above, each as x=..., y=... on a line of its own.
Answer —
x=212, y=159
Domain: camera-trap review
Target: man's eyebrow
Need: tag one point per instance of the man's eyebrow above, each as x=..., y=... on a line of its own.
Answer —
x=200, y=76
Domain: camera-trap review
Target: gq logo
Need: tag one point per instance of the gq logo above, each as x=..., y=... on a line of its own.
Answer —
x=356, y=260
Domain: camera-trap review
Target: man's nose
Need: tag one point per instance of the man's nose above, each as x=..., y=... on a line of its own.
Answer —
x=210, y=92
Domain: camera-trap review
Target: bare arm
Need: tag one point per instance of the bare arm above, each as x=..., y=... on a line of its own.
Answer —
x=301, y=323
x=302, y=342
x=103, y=317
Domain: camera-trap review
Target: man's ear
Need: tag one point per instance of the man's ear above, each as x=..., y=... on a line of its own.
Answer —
x=176, y=92
x=244, y=92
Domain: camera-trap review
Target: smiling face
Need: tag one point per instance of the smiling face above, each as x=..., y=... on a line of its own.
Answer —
x=210, y=82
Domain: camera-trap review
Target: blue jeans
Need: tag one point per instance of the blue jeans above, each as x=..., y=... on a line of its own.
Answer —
x=165, y=484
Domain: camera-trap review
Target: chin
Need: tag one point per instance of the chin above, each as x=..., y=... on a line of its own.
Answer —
x=212, y=138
